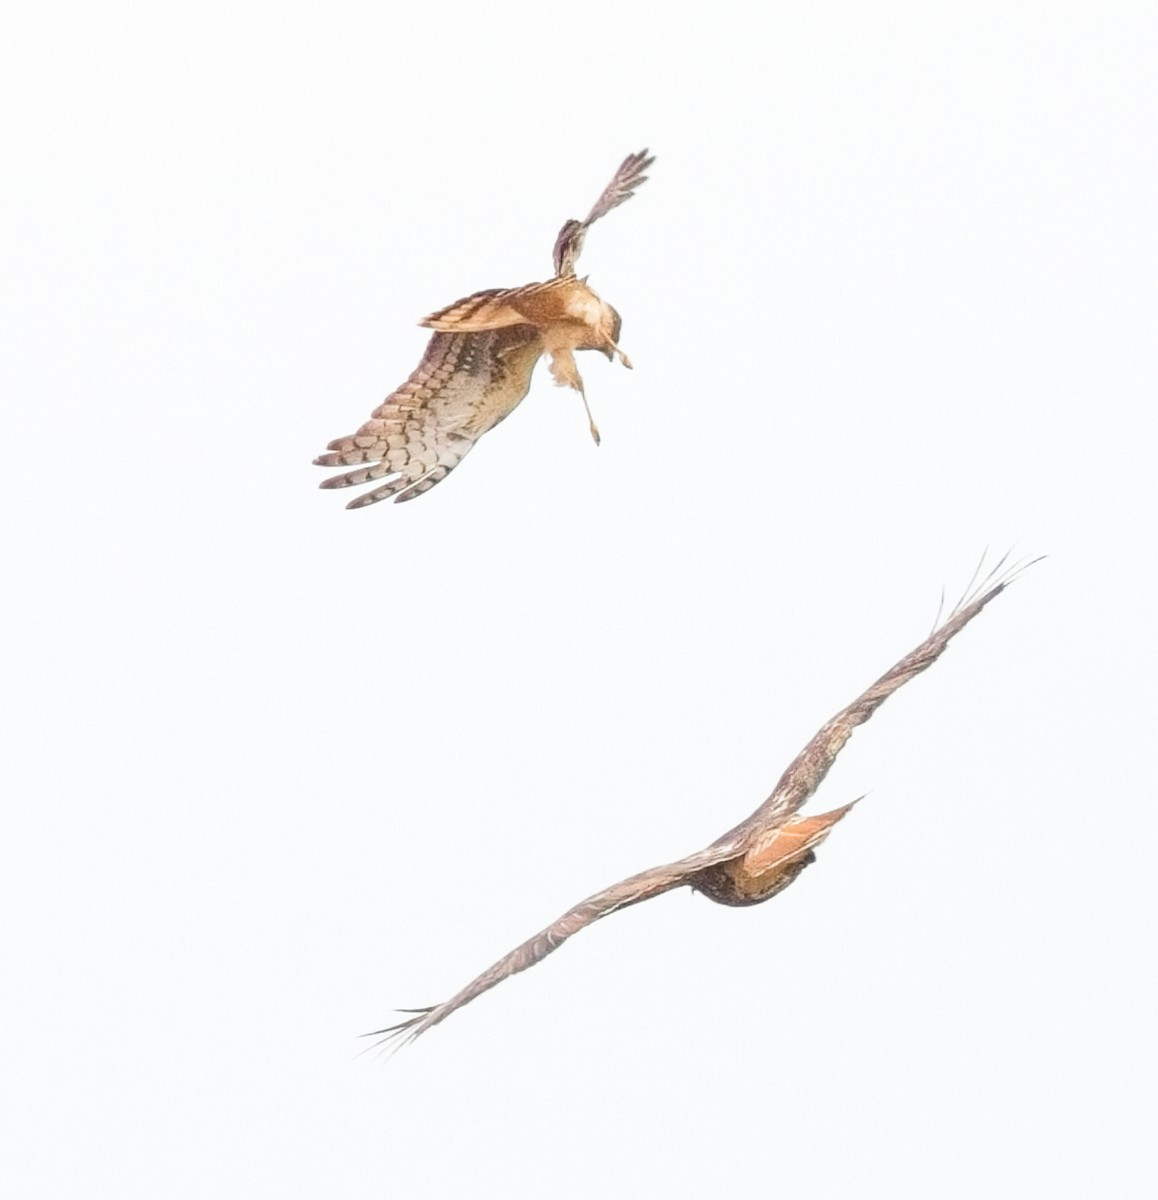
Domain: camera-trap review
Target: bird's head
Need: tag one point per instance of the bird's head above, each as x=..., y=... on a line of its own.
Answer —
x=614, y=323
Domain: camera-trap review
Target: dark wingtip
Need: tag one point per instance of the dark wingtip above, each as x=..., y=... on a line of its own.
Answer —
x=398, y=1034
x=1001, y=575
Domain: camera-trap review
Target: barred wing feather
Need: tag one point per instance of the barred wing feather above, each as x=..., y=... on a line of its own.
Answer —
x=465, y=385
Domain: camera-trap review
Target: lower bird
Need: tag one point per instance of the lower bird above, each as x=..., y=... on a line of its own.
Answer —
x=757, y=859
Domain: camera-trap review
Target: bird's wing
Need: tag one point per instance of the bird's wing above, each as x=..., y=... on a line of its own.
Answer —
x=806, y=772
x=623, y=183
x=539, y=304
x=634, y=890
x=465, y=384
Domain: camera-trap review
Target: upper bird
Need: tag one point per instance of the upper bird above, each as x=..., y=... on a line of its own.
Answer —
x=477, y=367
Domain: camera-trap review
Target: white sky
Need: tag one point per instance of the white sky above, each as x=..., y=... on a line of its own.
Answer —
x=274, y=768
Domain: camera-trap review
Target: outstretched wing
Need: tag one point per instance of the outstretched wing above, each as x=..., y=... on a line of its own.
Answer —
x=465, y=384
x=638, y=888
x=623, y=183
x=806, y=772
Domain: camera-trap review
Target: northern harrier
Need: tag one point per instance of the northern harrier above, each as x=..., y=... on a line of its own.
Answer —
x=477, y=367
x=754, y=861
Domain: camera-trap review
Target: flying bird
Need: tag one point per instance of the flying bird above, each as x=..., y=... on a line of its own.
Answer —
x=757, y=859
x=477, y=367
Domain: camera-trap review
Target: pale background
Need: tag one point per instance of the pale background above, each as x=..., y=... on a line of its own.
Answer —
x=273, y=768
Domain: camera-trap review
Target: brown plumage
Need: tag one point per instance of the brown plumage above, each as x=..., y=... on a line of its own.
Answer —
x=477, y=367
x=759, y=857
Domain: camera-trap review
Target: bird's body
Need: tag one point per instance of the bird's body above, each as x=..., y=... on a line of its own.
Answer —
x=767, y=867
x=564, y=308
x=478, y=365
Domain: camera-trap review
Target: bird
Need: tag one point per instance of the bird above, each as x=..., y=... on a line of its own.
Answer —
x=478, y=363
x=758, y=858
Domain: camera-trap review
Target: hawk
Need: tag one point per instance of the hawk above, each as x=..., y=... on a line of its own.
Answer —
x=477, y=367
x=757, y=859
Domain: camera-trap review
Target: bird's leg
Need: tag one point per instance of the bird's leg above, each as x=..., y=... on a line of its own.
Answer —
x=566, y=374
x=590, y=419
